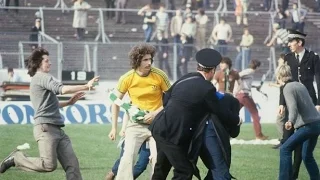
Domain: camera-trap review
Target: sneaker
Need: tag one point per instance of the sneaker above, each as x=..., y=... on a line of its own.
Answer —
x=7, y=163
x=110, y=176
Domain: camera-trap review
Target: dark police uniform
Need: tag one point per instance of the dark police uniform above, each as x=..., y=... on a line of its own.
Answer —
x=304, y=72
x=186, y=103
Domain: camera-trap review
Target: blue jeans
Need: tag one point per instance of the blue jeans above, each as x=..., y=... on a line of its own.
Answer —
x=148, y=33
x=222, y=47
x=212, y=156
x=246, y=52
x=141, y=164
x=308, y=137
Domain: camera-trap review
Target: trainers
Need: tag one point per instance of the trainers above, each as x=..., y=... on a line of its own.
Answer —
x=6, y=164
x=110, y=176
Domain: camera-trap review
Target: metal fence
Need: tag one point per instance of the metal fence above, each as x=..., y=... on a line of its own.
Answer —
x=111, y=60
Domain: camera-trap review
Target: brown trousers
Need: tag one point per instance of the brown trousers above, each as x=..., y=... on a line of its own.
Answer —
x=247, y=101
x=53, y=144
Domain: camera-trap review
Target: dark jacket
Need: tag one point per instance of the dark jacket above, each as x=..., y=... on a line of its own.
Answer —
x=223, y=129
x=186, y=103
x=34, y=33
x=305, y=72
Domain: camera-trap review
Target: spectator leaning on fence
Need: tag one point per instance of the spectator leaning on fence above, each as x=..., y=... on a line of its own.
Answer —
x=80, y=17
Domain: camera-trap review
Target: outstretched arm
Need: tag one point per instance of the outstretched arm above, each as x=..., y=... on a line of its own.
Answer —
x=72, y=100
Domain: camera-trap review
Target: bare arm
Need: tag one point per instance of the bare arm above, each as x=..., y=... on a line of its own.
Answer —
x=72, y=100
x=274, y=37
x=142, y=11
x=114, y=115
x=77, y=88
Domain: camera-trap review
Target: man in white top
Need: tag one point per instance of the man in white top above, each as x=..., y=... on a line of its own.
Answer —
x=222, y=34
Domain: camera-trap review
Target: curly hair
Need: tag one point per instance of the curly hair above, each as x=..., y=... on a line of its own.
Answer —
x=34, y=60
x=137, y=52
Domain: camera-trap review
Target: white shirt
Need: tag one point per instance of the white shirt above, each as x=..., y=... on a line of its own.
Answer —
x=222, y=31
x=301, y=54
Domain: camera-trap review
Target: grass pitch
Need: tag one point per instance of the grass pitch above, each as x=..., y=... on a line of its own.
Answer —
x=97, y=154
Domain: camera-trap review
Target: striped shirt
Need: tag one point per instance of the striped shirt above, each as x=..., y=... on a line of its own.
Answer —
x=162, y=20
x=283, y=35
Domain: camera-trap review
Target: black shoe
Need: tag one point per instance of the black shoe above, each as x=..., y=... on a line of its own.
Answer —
x=276, y=146
x=7, y=163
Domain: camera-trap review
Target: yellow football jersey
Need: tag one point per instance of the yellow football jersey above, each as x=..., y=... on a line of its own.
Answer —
x=145, y=92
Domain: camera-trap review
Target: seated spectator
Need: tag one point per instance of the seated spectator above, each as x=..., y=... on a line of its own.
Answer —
x=12, y=77
x=35, y=33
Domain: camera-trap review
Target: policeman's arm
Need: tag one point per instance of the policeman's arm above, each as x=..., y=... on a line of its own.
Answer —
x=317, y=75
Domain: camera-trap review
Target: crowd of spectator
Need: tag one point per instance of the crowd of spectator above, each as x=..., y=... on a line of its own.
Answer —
x=188, y=27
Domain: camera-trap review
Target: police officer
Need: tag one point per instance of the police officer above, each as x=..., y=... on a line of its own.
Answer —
x=305, y=65
x=185, y=104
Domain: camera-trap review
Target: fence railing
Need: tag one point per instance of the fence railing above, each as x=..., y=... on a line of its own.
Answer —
x=110, y=60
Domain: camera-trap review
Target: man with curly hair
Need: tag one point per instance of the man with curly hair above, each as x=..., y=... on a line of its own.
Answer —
x=53, y=142
x=145, y=85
